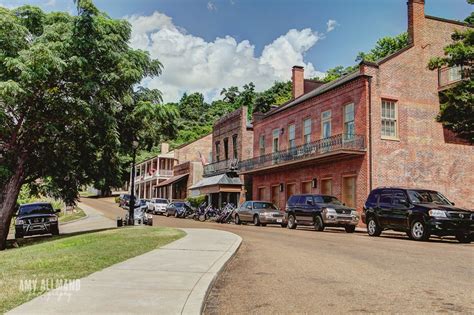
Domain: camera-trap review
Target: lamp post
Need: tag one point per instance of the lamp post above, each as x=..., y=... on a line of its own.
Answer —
x=131, y=207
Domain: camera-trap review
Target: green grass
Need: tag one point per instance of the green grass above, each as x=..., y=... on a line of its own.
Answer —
x=73, y=257
x=77, y=213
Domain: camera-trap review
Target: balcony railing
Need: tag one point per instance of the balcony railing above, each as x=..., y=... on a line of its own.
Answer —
x=342, y=143
x=159, y=173
x=452, y=75
x=220, y=167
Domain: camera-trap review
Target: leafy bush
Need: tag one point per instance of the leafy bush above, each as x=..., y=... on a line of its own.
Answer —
x=196, y=201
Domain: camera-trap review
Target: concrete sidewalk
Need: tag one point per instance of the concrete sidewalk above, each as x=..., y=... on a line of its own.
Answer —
x=171, y=280
x=95, y=220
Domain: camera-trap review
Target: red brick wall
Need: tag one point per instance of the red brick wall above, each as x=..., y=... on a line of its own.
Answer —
x=422, y=156
x=234, y=123
x=335, y=100
x=190, y=151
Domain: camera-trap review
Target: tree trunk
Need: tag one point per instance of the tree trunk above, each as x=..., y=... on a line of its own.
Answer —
x=8, y=198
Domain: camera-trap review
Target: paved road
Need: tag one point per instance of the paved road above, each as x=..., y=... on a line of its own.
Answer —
x=278, y=270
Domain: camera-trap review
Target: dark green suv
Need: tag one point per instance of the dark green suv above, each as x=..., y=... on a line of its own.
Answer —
x=418, y=212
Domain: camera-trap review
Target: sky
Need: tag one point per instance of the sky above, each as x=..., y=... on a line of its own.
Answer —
x=207, y=45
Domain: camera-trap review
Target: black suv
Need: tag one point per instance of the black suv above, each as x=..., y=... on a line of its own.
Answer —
x=36, y=218
x=418, y=212
x=320, y=211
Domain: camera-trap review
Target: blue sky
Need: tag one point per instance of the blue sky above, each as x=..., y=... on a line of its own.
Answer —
x=190, y=28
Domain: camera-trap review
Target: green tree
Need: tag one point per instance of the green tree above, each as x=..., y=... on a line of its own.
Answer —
x=384, y=47
x=63, y=81
x=457, y=102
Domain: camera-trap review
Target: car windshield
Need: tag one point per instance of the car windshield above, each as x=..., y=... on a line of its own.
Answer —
x=36, y=209
x=264, y=205
x=179, y=204
x=428, y=196
x=143, y=202
x=330, y=199
x=161, y=201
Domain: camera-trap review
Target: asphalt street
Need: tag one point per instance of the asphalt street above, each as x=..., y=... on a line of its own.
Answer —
x=277, y=270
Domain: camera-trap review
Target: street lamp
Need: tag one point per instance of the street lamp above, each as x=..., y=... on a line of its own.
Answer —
x=131, y=207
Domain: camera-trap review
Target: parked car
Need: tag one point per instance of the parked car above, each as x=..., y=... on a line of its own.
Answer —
x=158, y=205
x=179, y=209
x=35, y=219
x=418, y=212
x=139, y=213
x=260, y=213
x=320, y=211
x=124, y=200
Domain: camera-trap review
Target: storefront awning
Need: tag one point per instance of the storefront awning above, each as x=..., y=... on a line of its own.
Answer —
x=172, y=180
x=218, y=180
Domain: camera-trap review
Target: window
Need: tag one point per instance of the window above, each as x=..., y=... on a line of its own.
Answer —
x=454, y=73
x=389, y=119
x=276, y=134
x=385, y=197
x=349, y=127
x=399, y=198
x=305, y=200
x=261, y=145
x=291, y=136
x=218, y=151
x=226, y=148
x=307, y=131
x=293, y=200
x=234, y=146
x=326, y=124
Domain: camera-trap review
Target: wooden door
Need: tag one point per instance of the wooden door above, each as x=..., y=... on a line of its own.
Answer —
x=275, y=195
x=290, y=190
x=306, y=187
x=326, y=186
x=348, y=191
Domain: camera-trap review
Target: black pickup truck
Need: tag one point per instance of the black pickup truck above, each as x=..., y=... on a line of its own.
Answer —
x=36, y=218
x=418, y=212
x=320, y=211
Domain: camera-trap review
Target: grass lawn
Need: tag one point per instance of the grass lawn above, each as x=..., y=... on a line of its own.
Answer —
x=73, y=257
x=71, y=216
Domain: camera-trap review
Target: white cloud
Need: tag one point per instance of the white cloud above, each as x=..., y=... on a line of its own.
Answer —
x=192, y=64
x=331, y=25
x=211, y=6
x=51, y=3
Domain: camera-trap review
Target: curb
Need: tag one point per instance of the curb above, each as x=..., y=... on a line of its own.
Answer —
x=76, y=220
x=204, y=285
x=221, y=269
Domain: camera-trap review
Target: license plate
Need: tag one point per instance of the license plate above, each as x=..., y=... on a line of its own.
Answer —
x=279, y=220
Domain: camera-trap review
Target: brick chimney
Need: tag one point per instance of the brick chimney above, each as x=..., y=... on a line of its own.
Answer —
x=297, y=78
x=416, y=21
x=165, y=148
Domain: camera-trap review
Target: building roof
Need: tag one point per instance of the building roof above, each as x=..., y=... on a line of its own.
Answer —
x=320, y=90
x=172, y=180
x=221, y=179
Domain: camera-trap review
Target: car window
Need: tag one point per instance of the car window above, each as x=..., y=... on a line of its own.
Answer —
x=330, y=199
x=427, y=196
x=263, y=205
x=305, y=200
x=373, y=197
x=244, y=205
x=399, y=198
x=293, y=200
x=386, y=197
x=36, y=209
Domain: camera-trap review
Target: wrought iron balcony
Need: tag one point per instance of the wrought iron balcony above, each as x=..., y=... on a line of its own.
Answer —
x=339, y=145
x=220, y=167
x=448, y=76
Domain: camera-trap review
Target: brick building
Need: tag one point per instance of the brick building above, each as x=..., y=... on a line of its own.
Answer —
x=232, y=138
x=171, y=174
x=374, y=127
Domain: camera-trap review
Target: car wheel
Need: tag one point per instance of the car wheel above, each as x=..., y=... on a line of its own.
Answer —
x=318, y=223
x=237, y=219
x=18, y=235
x=464, y=238
x=292, y=222
x=284, y=225
x=256, y=220
x=419, y=231
x=55, y=231
x=373, y=229
x=167, y=214
x=350, y=228
x=263, y=224
x=176, y=215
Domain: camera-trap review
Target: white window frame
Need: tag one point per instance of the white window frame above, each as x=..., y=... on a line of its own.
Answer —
x=389, y=119
x=326, y=117
x=307, y=130
x=291, y=136
x=275, y=135
x=348, y=135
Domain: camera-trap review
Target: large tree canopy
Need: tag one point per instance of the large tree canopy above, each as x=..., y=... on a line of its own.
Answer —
x=66, y=86
x=457, y=102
